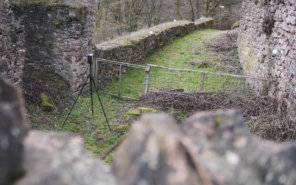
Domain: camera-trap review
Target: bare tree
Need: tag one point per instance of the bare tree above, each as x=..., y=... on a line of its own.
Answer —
x=117, y=17
x=153, y=11
x=132, y=11
x=178, y=14
x=194, y=9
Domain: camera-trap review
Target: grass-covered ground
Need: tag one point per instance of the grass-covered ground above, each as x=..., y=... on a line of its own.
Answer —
x=189, y=52
x=182, y=53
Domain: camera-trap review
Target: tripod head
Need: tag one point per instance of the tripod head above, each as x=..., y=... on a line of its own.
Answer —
x=90, y=58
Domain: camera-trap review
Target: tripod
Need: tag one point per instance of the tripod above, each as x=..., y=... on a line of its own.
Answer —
x=91, y=80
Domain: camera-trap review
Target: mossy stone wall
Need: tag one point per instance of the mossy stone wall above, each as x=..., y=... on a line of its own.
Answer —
x=12, y=49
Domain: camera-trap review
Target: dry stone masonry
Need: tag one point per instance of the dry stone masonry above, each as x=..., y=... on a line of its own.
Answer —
x=52, y=36
x=267, y=48
x=12, y=49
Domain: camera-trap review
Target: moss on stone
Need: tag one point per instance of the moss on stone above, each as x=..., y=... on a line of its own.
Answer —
x=56, y=22
x=78, y=12
x=39, y=81
x=122, y=129
x=45, y=105
x=34, y=2
x=147, y=110
x=235, y=25
x=49, y=43
x=136, y=113
x=217, y=121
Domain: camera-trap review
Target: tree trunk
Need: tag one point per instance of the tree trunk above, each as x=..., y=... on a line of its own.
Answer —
x=178, y=9
x=196, y=10
x=207, y=8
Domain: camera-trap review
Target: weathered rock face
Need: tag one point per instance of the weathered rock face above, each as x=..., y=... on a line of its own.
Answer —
x=56, y=158
x=267, y=48
x=137, y=46
x=12, y=132
x=12, y=50
x=209, y=148
x=52, y=36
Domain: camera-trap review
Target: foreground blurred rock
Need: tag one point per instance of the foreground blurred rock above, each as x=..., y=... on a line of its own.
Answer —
x=42, y=158
x=60, y=159
x=12, y=131
x=208, y=149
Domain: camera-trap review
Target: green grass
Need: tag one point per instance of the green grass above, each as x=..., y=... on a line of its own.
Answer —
x=94, y=130
x=180, y=54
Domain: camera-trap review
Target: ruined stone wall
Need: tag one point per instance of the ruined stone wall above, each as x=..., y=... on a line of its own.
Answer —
x=55, y=37
x=136, y=47
x=267, y=48
x=12, y=52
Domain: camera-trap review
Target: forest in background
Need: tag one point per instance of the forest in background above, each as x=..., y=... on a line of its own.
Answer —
x=120, y=17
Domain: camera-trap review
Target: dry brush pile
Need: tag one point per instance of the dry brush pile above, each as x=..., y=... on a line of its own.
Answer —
x=260, y=112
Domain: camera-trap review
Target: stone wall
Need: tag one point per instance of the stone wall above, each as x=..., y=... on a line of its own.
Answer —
x=12, y=51
x=267, y=48
x=137, y=46
x=54, y=36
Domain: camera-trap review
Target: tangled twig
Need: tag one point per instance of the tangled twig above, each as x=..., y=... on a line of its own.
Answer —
x=260, y=112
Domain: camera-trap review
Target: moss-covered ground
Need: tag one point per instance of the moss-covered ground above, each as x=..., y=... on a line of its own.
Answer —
x=179, y=54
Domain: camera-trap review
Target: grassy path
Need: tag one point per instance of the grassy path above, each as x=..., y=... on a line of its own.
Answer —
x=184, y=53
x=180, y=54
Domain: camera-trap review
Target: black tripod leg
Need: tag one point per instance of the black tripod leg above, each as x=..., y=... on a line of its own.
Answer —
x=91, y=96
x=97, y=91
x=79, y=94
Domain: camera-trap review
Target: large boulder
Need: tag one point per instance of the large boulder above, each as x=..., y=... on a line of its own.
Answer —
x=12, y=131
